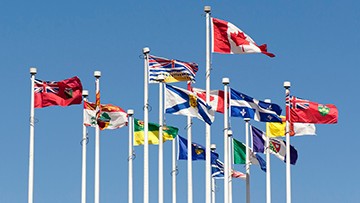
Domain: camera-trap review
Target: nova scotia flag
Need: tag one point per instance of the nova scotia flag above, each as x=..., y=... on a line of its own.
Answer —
x=248, y=107
x=183, y=102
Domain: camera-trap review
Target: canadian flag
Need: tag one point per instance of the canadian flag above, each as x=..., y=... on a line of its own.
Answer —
x=229, y=39
x=216, y=98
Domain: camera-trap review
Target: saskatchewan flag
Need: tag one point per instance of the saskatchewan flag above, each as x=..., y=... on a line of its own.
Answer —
x=169, y=132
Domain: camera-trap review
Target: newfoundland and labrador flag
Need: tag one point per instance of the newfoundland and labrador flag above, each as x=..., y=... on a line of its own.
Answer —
x=247, y=107
x=169, y=132
x=305, y=111
x=172, y=70
x=111, y=116
x=57, y=93
x=277, y=146
x=179, y=101
x=228, y=39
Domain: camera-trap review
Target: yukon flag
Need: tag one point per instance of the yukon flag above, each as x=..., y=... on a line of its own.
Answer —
x=228, y=39
x=111, y=116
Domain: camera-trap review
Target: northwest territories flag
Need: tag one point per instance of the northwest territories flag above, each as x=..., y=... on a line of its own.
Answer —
x=183, y=102
x=172, y=70
x=248, y=107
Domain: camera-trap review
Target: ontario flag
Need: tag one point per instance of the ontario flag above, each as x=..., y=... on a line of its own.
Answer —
x=57, y=93
x=229, y=39
x=304, y=111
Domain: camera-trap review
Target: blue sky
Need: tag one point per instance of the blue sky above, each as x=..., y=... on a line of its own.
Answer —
x=316, y=47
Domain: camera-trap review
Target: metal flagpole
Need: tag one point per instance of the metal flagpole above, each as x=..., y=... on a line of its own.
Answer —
x=189, y=160
x=130, y=113
x=207, y=10
x=268, y=176
x=85, y=93
x=213, y=186
x=174, y=170
x=247, y=160
x=97, y=75
x=226, y=82
x=161, y=146
x=230, y=163
x=31, y=146
x=288, y=170
x=146, y=52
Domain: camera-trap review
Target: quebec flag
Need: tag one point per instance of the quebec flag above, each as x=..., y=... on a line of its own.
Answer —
x=184, y=102
x=248, y=107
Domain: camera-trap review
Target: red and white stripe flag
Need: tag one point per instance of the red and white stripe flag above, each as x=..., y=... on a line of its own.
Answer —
x=229, y=39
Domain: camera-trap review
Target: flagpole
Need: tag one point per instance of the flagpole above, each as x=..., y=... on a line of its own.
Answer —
x=207, y=10
x=97, y=75
x=146, y=52
x=31, y=145
x=85, y=93
x=288, y=169
x=247, y=160
x=189, y=160
x=268, y=176
x=130, y=113
x=213, y=186
x=231, y=147
x=161, y=144
x=226, y=82
x=174, y=170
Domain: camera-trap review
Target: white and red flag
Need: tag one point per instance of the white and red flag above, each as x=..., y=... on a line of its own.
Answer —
x=229, y=39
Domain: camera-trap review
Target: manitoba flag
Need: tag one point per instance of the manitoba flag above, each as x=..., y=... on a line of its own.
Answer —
x=229, y=39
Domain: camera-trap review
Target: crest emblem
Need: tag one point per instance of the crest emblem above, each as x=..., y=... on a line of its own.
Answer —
x=324, y=110
x=193, y=101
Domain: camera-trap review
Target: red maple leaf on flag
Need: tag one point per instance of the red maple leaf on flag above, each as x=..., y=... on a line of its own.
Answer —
x=239, y=38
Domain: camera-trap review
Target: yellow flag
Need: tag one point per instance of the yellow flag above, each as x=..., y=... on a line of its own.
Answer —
x=276, y=129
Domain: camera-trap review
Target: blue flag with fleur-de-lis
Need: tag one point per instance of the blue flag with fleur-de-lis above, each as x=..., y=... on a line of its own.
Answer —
x=248, y=107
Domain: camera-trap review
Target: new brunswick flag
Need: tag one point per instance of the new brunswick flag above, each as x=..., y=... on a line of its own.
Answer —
x=169, y=133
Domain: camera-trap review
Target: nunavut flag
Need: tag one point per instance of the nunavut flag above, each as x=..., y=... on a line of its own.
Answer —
x=62, y=93
x=228, y=39
x=305, y=111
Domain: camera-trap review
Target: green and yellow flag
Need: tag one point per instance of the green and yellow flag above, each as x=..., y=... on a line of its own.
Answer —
x=169, y=132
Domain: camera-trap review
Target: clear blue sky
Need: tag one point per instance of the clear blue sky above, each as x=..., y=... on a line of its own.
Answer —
x=316, y=44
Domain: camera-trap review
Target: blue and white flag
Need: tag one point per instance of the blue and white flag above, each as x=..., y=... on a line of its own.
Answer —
x=179, y=101
x=248, y=107
x=217, y=169
x=172, y=70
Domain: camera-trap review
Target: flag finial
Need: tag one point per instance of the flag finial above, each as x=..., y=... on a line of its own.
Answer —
x=225, y=81
x=207, y=9
x=146, y=50
x=85, y=93
x=97, y=74
x=130, y=112
x=287, y=84
x=33, y=70
x=213, y=147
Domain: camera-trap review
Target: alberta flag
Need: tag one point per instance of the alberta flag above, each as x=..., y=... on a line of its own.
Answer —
x=229, y=39
x=183, y=102
x=248, y=107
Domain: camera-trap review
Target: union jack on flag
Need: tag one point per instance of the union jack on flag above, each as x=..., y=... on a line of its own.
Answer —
x=46, y=86
x=172, y=70
x=297, y=103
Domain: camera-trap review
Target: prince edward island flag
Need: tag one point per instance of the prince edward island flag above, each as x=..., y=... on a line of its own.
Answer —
x=183, y=102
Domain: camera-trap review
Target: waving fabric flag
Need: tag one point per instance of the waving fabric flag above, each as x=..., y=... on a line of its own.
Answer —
x=62, y=93
x=228, y=39
x=183, y=102
x=169, y=132
x=240, y=155
x=111, y=117
x=277, y=146
x=305, y=111
x=172, y=70
x=217, y=171
x=198, y=151
x=296, y=129
x=248, y=107
x=216, y=98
